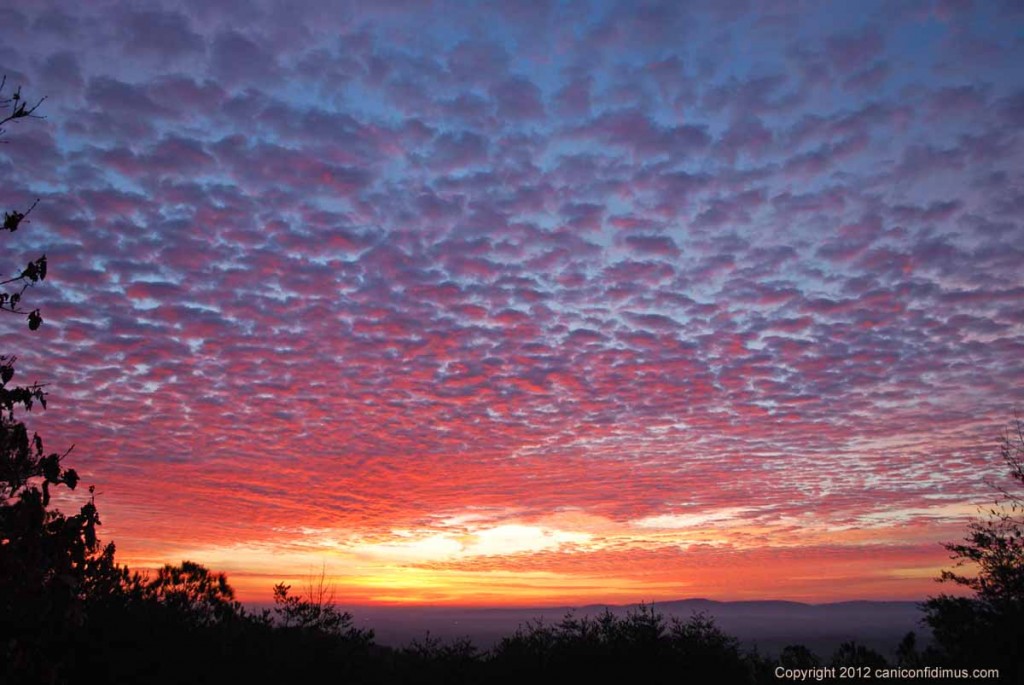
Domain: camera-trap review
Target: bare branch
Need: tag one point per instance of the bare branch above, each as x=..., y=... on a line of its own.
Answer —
x=19, y=106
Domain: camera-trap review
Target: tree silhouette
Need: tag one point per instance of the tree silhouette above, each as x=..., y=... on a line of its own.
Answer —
x=988, y=628
x=315, y=612
x=194, y=593
x=46, y=557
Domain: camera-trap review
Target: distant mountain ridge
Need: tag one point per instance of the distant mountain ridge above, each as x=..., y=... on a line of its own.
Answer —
x=769, y=625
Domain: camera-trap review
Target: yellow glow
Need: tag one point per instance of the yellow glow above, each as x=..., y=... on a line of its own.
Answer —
x=499, y=540
x=572, y=556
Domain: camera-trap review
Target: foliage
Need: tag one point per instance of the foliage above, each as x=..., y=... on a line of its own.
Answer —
x=988, y=628
x=199, y=597
x=16, y=107
x=46, y=557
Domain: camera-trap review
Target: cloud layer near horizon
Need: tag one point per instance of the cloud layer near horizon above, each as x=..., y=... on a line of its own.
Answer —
x=531, y=300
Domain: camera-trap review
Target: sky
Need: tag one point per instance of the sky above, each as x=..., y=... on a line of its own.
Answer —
x=525, y=303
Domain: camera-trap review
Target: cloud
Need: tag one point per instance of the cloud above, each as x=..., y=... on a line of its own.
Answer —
x=629, y=303
x=635, y=131
x=237, y=59
x=518, y=98
x=165, y=35
x=652, y=245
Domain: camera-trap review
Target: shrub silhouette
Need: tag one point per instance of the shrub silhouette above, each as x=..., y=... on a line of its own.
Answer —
x=798, y=656
x=431, y=660
x=852, y=654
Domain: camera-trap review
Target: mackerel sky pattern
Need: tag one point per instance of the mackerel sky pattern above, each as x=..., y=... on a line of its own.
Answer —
x=526, y=301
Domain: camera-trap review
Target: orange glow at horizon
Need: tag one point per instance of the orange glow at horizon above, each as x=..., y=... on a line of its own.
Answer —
x=573, y=558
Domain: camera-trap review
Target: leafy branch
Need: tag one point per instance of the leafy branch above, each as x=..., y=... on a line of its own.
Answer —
x=16, y=107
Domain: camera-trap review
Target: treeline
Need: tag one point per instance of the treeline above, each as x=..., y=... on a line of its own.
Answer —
x=184, y=625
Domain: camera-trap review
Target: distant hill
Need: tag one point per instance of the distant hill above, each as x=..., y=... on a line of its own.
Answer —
x=768, y=625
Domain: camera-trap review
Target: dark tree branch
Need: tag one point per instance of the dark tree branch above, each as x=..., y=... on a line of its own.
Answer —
x=19, y=107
